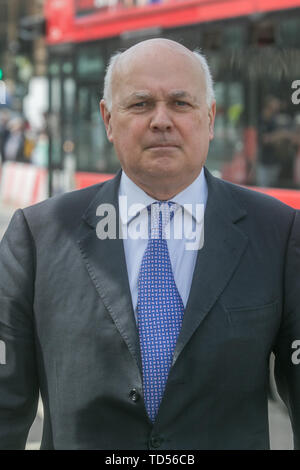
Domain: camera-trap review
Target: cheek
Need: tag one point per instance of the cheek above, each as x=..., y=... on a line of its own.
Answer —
x=198, y=135
x=128, y=132
x=196, y=128
x=127, y=142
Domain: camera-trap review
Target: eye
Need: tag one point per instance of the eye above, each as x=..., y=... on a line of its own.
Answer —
x=140, y=104
x=181, y=103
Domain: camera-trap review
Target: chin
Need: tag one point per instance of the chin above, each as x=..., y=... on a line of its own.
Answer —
x=166, y=170
x=166, y=163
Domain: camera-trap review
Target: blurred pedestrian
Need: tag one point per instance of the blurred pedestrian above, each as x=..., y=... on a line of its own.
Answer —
x=4, y=132
x=275, y=140
x=39, y=155
x=14, y=144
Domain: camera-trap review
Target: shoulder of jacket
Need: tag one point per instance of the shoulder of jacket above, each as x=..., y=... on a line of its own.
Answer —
x=67, y=208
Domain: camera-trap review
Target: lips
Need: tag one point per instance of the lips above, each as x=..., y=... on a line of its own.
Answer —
x=158, y=145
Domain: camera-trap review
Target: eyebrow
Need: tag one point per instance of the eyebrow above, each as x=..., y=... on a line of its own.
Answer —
x=142, y=95
x=180, y=94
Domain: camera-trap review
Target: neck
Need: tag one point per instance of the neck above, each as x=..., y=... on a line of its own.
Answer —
x=163, y=190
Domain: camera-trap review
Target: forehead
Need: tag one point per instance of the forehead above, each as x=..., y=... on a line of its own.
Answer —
x=162, y=69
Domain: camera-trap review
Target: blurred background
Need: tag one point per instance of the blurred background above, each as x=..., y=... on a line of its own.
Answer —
x=53, y=55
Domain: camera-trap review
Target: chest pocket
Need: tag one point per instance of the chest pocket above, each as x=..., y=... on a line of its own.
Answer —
x=255, y=316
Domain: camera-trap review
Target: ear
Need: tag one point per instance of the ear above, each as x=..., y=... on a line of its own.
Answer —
x=106, y=116
x=212, y=115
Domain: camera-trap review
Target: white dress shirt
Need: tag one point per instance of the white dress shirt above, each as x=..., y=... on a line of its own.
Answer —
x=182, y=251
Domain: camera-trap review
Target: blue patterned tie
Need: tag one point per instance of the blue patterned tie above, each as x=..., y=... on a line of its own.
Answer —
x=159, y=309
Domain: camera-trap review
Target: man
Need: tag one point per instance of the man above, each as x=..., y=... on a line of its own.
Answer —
x=4, y=133
x=141, y=343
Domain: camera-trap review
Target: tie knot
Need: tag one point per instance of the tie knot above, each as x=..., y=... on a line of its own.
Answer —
x=161, y=213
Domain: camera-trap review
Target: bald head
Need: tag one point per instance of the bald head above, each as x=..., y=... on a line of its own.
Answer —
x=155, y=50
x=154, y=47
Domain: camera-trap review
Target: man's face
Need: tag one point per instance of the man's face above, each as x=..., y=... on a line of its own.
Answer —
x=160, y=124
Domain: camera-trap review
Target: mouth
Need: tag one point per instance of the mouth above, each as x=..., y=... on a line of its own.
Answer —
x=162, y=147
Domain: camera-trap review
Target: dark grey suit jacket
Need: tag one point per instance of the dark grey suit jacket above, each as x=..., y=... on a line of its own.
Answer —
x=67, y=321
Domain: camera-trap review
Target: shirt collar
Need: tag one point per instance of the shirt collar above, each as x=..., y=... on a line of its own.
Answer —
x=137, y=199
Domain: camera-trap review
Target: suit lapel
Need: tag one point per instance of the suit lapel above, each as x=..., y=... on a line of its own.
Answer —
x=106, y=265
x=224, y=244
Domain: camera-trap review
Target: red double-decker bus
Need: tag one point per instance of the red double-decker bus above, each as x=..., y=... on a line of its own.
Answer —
x=253, y=48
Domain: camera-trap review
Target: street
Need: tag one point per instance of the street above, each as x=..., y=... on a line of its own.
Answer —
x=280, y=428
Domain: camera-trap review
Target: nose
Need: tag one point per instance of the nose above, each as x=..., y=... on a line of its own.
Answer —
x=161, y=118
